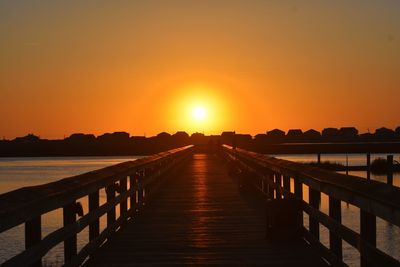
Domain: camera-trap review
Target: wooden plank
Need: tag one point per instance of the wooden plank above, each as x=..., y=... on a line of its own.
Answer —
x=205, y=219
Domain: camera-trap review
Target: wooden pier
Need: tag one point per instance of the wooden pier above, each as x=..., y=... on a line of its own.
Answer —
x=188, y=207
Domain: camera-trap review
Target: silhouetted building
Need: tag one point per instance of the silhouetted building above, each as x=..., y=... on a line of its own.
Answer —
x=181, y=135
x=197, y=139
x=312, y=135
x=348, y=133
x=330, y=133
x=114, y=137
x=276, y=135
x=385, y=133
x=80, y=137
x=398, y=130
x=294, y=135
x=27, y=138
x=163, y=135
x=366, y=137
x=228, y=137
x=260, y=138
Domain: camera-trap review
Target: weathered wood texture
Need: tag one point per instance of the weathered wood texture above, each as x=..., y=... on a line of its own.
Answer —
x=201, y=217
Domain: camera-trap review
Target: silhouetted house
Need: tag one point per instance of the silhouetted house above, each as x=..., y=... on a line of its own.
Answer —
x=276, y=135
x=197, y=139
x=243, y=140
x=81, y=138
x=114, y=137
x=181, y=135
x=163, y=135
x=366, y=137
x=398, y=130
x=227, y=137
x=260, y=138
x=312, y=135
x=384, y=134
x=348, y=133
x=180, y=138
x=330, y=133
x=28, y=138
x=294, y=135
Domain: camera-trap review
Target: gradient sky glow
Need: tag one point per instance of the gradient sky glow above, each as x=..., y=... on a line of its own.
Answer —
x=104, y=66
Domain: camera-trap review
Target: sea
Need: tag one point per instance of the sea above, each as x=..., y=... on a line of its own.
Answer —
x=28, y=171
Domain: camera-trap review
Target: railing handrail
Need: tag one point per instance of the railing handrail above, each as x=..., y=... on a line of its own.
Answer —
x=23, y=204
x=378, y=200
x=375, y=197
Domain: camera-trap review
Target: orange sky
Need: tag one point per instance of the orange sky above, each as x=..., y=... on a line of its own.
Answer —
x=107, y=66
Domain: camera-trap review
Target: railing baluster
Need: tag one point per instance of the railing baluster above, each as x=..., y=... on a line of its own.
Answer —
x=390, y=169
x=286, y=186
x=298, y=192
x=110, y=193
x=132, y=199
x=123, y=188
x=70, y=244
x=368, y=234
x=278, y=183
x=335, y=242
x=270, y=177
x=315, y=198
x=33, y=235
x=94, y=227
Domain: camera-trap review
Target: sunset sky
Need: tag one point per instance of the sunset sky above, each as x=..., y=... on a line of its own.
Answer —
x=150, y=66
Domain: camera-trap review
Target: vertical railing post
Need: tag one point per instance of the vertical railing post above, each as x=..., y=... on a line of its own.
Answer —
x=270, y=189
x=94, y=227
x=278, y=182
x=33, y=235
x=298, y=192
x=315, y=198
x=286, y=186
x=390, y=169
x=368, y=234
x=368, y=166
x=70, y=244
x=133, y=194
x=319, y=158
x=110, y=195
x=335, y=242
x=123, y=183
x=140, y=191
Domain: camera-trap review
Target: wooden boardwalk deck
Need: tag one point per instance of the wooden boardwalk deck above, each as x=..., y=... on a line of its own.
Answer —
x=200, y=217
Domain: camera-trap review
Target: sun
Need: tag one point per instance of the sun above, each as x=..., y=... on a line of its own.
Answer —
x=199, y=113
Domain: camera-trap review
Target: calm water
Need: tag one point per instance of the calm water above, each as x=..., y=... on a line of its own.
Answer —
x=388, y=235
x=20, y=172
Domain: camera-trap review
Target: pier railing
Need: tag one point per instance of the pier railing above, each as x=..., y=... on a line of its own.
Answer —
x=277, y=179
x=127, y=185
